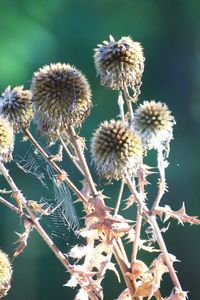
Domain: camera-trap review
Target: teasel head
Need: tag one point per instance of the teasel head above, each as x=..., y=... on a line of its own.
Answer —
x=6, y=140
x=5, y=274
x=16, y=105
x=154, y=123
x=61, y=97
x=120, y=63
x=116, y=150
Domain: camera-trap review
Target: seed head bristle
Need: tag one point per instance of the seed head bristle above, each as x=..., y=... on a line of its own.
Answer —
x=116, y=150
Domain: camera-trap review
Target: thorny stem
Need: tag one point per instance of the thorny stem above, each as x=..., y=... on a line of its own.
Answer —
x=54, y=165
x=164, y=250
x=125, y=270
x=152, y=220
x=137, y=237
x=71, y=156
x=82, y=160
x=37, y=225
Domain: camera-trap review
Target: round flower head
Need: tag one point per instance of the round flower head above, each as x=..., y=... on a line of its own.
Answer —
x=154, y=123
x=5, y=274
x=6, y=140
x=120, y=63
x=16, y=105
x=61, y=97
x=116, y=150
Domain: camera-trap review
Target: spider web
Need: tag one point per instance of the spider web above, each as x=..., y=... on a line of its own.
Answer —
x=63, y=220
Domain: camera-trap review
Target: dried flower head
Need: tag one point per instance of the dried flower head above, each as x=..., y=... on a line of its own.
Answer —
x=154, y=123
x=116, y=150
x=6, y=140
x=61, y=97
x=120, y=63
x=5, y=274
x=16, y=105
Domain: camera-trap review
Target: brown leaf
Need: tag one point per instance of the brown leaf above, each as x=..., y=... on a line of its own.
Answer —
x=38, y=208
x=180, y=215
x=22, y=241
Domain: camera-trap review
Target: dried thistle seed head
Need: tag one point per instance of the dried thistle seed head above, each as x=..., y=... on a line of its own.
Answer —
x=6, y=140
x=16, y=105
x=61, y=97
x=120, y=63
x=154, y=123
x=5, y=274
x=116, y=150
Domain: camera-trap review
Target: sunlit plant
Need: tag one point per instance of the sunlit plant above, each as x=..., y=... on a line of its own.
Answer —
x=59, y=101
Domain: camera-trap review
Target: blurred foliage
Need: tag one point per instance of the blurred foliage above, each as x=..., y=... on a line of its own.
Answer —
x=36, y=32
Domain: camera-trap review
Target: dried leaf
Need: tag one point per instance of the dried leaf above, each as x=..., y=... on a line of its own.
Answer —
x=180, y=215
x=38, y=208
x=28, y=225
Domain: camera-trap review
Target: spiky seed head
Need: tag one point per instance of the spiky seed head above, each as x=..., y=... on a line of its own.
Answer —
x=116, y=149
x=6, y=140
x=154, y=123
x=16, y=105
x=120, y=63
x=61, y=97
x=5, y=274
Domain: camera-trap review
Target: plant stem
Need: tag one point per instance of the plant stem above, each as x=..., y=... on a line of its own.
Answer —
x=162, y=182
x=137, y=237
x=82, y=160
x=71, y=157
x=119, y=199
x=128, y=101
x=11, y=206
x=121, y=106
x=152, y=220
x=164, y=250
x=54, y=165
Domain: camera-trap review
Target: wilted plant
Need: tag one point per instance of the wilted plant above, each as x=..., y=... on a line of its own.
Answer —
x=60, y=100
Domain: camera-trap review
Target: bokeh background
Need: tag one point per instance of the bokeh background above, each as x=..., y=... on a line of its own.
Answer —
x=36, y=32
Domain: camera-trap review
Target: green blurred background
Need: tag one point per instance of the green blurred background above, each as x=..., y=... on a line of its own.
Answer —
x=36, y=32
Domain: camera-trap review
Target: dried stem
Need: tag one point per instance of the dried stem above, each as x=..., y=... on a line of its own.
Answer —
x=71, y=156
x=11, y=206
x=121, y=106
x=138, y=224
x=54, y=165
x=16, y=192
x=129, y=102
x=137, y=237
x=119, y=199
x=152, y=220
x=80, y=154
x=162, y=181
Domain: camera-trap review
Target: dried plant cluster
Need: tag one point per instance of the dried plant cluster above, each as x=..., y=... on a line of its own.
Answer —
x=59, y=100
